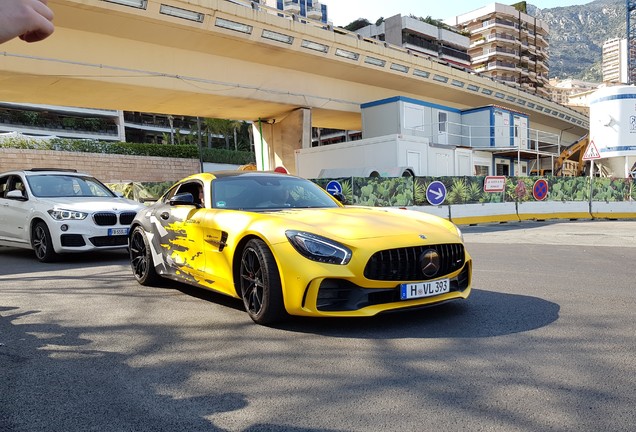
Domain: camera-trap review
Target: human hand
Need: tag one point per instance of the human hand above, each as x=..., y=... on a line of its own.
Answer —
x=30, y=20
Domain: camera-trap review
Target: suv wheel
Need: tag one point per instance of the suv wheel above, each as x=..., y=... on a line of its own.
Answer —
x=42, y=244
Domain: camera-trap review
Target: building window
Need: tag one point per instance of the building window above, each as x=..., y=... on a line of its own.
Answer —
x=442, y=118
x=481, y=170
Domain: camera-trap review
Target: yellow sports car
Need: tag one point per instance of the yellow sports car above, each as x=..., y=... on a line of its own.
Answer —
x=286, y=246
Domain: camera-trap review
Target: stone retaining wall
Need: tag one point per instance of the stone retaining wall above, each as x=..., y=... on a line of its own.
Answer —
x=106, y=167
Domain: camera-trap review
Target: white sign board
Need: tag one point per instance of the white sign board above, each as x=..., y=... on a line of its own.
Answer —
x=495, y=184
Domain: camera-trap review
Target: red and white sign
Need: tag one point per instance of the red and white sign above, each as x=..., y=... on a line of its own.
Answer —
x=495, y=184
x=540, y=189
x=591, y=152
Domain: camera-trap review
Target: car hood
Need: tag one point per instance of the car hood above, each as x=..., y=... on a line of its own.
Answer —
x=356, y=223
x=93, y=204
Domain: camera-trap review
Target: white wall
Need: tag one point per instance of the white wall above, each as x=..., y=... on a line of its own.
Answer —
x=382, y=154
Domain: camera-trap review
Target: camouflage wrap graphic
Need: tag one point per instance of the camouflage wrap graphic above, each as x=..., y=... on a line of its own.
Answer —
x=175, y=251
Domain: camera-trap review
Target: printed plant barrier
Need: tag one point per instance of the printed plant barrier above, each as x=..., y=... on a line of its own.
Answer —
x=410, y=191
x=407, y=191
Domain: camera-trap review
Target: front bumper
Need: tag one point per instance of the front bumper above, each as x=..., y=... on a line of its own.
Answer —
x=82, y=236
x=315, y=289
x=336, y=295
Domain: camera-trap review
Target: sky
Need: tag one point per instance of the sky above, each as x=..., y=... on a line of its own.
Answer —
x=342, y=12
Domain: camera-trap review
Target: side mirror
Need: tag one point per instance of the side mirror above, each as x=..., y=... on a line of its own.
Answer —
x=182, y=199
x=16, y=194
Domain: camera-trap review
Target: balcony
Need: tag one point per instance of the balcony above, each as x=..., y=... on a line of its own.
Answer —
x=454, y=54
x=478, y=42
x=502, y=37
x=495, y=52
x=419, y=44
x=292, y=6
x=315, y=12
x=499, y=65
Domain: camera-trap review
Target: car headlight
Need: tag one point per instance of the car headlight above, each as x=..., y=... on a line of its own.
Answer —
x=318, y=248
x=67, y=215
x=459, y=233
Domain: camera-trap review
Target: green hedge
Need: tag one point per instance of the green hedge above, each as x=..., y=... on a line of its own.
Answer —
x=133, y=149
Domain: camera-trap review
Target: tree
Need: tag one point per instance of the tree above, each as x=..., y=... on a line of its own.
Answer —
x=357, y=24
x=222, y=127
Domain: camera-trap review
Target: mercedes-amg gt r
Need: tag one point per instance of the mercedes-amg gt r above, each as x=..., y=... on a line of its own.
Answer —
x=287, y=247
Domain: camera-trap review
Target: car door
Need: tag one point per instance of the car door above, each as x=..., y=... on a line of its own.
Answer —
x=178, y=228
x=16, y=211
x=217, y=272
x=4, y=204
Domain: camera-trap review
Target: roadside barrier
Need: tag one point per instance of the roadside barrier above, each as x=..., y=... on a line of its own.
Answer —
x=469, y=200
x=464, y=200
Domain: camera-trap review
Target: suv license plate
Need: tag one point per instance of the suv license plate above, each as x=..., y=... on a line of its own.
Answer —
x=424, y=289
x=117, y=231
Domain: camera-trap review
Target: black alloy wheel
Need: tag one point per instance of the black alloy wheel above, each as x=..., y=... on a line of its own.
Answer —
x=42, y=244
x=141, y=262
x=260, y=284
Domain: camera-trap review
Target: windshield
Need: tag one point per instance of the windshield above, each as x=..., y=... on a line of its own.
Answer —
x=268, y=192
x=59, y=185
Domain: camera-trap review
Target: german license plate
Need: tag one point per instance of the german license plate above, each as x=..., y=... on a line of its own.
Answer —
x=117, y=231
x=424, y=289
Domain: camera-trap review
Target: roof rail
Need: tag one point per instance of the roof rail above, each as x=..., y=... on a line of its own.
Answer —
x=53, y=169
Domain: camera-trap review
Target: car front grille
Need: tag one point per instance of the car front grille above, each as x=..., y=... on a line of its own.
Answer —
x=105, y=241
x=404, y=264
x=105, y=218
x=110, y=218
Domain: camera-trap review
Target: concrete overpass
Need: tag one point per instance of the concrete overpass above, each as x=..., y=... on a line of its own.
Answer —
x=234, y=59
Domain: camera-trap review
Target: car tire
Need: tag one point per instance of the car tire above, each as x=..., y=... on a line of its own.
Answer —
x=141, y=262
x=260, y=284
x=42, y=243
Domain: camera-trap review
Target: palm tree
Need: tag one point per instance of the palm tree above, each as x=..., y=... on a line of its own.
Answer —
x=225, y=128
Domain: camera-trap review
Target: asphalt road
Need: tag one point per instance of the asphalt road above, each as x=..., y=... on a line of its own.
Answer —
x=546, y=342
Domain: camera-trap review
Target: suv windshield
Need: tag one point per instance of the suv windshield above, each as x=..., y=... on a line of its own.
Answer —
x=60, y=185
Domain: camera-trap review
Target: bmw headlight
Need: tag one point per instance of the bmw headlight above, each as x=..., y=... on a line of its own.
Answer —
x=318, y=248
x=61, y=214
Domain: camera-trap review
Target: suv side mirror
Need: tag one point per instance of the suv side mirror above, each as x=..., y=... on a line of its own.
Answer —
x=16, y=194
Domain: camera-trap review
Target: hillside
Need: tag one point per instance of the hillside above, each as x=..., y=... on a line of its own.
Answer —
x=577, y=34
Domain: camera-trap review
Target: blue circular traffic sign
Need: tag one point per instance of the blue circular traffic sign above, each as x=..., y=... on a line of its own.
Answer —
x=540, y=189
x=436, y=192
x=334, y=187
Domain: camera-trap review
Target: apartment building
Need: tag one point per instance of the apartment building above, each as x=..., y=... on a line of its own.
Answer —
x=416, y=35
x=312, y=9
x=508, y=45
x=573, y=93
x=562, y=91
x=614, y=61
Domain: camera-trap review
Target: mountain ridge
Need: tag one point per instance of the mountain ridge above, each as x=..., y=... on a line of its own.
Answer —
x=577, y=34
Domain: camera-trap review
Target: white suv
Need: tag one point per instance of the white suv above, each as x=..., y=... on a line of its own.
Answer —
x=58, y=211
